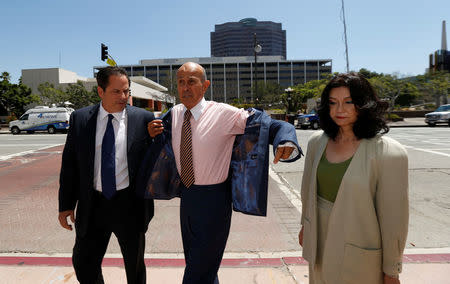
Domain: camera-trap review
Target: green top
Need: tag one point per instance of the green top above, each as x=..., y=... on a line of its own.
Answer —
x=329, y=177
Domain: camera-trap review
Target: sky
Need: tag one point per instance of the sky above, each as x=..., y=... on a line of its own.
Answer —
x=385, y=36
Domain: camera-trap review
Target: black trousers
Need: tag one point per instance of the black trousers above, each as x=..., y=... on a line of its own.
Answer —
x=117, y=216
x=205, y=214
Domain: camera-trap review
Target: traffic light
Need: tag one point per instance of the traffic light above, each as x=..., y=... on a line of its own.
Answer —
x=104, y=52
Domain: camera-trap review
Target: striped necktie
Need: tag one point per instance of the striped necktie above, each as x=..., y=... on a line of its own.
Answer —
x=187, y=165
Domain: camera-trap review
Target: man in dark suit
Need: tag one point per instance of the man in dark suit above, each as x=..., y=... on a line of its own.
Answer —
x=102, y=154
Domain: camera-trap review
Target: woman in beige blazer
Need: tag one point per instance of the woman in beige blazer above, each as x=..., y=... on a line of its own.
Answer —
x=354, y=190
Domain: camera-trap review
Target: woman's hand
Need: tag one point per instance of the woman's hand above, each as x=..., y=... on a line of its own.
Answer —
x=300, y=237
x=390, y=280
x=155, y=127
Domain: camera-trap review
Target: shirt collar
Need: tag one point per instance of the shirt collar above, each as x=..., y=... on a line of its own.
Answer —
x=198, y=109
x=117, y=115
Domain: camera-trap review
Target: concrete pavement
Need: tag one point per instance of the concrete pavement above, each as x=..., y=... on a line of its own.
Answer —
x=417, y=269
x=409, y=122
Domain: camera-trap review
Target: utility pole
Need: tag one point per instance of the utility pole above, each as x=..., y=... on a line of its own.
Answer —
x=345, y=36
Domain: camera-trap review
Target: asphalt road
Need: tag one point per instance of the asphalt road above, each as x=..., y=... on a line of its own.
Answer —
x=13, y=145
x=429, y=182
x=28, y=199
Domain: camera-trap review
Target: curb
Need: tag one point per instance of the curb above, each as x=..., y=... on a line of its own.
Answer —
x=397, y=126
x=227, y=262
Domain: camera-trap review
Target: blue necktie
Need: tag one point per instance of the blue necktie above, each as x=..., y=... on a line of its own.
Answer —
x=109, y=160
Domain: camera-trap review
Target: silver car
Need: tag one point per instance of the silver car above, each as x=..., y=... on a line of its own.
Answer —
x=440, y=115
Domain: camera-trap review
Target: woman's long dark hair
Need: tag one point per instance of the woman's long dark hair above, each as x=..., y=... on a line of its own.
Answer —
x=370, y=108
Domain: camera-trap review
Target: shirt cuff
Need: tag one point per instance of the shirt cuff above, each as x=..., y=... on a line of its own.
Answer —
x=293, y=154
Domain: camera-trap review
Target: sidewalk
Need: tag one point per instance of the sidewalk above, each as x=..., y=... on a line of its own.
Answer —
x=417, y=269
x=409, y=122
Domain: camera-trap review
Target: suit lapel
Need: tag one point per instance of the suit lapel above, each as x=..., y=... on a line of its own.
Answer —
x=131, y=128
x=320, y=148
x=91, y=128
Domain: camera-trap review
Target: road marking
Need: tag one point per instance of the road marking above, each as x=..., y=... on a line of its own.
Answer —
x=117, y=261
x=3, y=158
x=293, y=197
x=33, y=135
x=22, y=145
x=229, y=255
x=427, y=151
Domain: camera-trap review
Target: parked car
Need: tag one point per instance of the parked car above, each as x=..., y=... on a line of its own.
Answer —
x=42, y=119
x=440, y=115
x=305, y=121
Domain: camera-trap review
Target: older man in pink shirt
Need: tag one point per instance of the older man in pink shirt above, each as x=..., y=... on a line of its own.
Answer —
x=203, y=133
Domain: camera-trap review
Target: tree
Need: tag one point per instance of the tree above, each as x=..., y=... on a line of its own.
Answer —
x=269, y=93
x=50, y=95
x=435, y=85
x=14, y=97
x=409, y=93
x=74, y=93
x=369, y=74
x=80, y=97
x=170, y=82
x=397, y=91
x=303, y=92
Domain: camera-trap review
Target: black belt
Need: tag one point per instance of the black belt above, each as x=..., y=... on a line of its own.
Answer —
x=218, y=186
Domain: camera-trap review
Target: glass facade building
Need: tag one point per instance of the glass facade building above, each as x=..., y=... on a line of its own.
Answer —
x=236, y=38
x=440, y=61
x=233, y=77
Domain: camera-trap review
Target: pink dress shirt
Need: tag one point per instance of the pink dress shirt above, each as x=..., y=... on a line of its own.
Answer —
x=214, y=127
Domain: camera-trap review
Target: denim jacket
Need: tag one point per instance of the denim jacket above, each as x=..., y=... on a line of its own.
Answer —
x=158, y=176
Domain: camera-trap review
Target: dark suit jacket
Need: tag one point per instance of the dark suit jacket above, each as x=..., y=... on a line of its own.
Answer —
x=77, y=169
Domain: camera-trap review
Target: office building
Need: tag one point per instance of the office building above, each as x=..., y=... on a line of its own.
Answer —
x=237, y=38
x=233, y=77
x=145, y=92
x=440, y=59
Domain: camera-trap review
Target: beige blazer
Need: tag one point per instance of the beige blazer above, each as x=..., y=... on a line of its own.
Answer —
x=368, y=224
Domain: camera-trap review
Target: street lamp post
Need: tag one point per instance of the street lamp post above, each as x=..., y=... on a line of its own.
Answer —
x=289, y=98
x=256, y=49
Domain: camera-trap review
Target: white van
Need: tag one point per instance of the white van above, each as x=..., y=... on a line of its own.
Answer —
x=42, y=118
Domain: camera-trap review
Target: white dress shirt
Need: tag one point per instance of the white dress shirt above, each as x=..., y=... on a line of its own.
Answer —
x=120, y=134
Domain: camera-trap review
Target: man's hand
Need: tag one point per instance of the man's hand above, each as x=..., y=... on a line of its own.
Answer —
x=155, y=127
x=390, y=280
x=300, y=237
x=283, y=152
x=63, y=219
